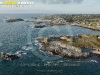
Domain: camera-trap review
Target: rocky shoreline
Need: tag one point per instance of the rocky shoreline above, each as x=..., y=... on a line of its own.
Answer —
x=88, y=27
x=67, y=53
x=82, y=20
x=6, y=56
x=66, y=50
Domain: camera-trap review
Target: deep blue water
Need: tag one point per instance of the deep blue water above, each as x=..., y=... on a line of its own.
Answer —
x=20, y=36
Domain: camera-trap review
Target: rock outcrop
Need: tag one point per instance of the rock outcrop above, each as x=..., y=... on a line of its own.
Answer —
x=39, y=26
x=8, y=56
x=14, y=20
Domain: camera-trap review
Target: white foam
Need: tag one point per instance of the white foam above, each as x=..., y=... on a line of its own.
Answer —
x=18, y=53
x=60, y=61
x=41, y=50
x=36, y=41
x=29, y=43
x=94, y=61
x=36, y=44
x=24, y=53
x=32, y=27
x=24, y=47
x=9, y=53
x=28, y=48
x=48, y=62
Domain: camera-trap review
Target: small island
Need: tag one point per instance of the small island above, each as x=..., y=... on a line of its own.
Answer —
x=8, y=56
x=14, y=20
x=76, y=47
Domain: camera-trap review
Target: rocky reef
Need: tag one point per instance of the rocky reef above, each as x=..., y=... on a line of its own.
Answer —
x=8, y=57
x=14, y=20
x=11, y=56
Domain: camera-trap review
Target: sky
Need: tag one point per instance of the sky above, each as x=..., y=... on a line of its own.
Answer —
x=57, y=6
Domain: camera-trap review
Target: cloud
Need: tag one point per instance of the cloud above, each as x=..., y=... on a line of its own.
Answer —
x=77, y=1
x=61, y=1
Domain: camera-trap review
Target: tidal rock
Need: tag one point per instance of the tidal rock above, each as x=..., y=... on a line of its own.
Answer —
x=14, y=20
x=8, y=56
x=40, y=26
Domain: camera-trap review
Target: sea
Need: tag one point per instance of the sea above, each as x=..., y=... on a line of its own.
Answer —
x=21, y=36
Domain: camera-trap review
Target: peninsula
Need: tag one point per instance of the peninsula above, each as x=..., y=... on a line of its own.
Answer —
x=78, y=47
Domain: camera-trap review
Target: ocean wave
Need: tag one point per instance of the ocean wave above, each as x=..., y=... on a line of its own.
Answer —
x=26, y=48
x=94, y=61
x=36, y=44
x=60, y=61
x=20, y=53
x=29, y=43
x=36, y=41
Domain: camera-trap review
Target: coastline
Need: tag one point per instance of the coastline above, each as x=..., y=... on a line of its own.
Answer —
x=89, y=22
x=88, y=27
x=67, y=51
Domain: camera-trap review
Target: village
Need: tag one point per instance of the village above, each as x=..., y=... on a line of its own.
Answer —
x=84, y=20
